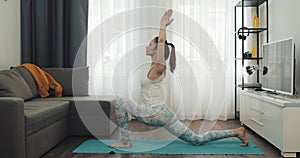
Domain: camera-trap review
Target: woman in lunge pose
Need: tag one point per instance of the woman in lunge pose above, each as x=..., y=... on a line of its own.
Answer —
x=153, y=110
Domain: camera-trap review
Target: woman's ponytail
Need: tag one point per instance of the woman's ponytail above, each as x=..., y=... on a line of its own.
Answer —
x=167, y=52
x=172, y=58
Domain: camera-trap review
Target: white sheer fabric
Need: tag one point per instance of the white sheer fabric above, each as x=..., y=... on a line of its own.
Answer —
x=118, y=69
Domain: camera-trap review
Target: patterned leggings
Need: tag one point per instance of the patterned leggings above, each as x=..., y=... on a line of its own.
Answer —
x=161, y=116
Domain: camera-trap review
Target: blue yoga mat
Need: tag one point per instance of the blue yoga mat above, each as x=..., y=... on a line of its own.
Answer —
x=219, y=147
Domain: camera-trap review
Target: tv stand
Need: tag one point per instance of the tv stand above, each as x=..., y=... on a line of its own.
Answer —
x=274, y=117
x=272, y=92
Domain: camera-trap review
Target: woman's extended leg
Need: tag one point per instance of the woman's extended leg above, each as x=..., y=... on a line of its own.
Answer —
x=177, y=128
x=162, y=116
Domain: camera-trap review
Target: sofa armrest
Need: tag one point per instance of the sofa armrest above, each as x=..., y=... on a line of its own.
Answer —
x=12, y=133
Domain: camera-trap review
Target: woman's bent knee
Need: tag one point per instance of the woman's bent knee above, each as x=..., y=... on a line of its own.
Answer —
x=118, y=101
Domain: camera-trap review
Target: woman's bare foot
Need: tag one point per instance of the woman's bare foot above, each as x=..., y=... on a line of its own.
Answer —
x=240, y=133
x=120, y=144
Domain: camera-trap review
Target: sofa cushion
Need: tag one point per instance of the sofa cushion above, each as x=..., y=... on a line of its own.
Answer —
x=29, y=80
x=41, y=114
x=73, y=80
x=85, y=111
x=12, y=84
x=87, y=104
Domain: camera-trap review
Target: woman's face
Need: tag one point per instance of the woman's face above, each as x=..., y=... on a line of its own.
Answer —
x=150, y=49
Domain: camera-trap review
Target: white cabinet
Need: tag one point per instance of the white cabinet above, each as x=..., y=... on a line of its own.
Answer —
x=274, y=117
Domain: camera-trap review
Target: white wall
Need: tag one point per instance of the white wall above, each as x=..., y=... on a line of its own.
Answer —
x=284, y=20
x=9, y=33
x=283, y=23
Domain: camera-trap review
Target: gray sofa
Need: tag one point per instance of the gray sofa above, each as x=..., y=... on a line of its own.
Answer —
x=31, y=126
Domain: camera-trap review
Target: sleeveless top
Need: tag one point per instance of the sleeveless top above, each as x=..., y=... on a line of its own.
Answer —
x=153, y=91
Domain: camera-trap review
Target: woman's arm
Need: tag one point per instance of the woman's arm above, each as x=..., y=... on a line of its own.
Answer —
x=165, y=21
x=160, y=63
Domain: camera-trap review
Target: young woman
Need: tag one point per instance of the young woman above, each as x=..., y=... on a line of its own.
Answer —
x=153, y=110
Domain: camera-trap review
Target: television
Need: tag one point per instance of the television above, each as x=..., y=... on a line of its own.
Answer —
x=279, y=59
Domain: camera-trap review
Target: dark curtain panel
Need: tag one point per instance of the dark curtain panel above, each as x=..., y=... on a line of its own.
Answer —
x=53, y=32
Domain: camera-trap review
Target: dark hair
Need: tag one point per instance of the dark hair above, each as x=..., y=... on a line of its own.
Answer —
x=172, y=60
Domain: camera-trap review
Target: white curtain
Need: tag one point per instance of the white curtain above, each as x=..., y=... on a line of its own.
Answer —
x=202, y=86
x=215, y=18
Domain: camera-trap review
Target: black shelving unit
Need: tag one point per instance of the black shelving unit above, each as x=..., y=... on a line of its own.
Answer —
x=242, y=5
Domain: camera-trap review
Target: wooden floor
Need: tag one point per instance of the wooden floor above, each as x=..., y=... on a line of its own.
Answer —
x=65, y=148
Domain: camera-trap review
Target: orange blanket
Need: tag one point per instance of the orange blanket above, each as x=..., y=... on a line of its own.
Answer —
x=44, y=80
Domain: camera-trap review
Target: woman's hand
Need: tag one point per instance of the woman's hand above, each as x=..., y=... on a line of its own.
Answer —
x=165, y=19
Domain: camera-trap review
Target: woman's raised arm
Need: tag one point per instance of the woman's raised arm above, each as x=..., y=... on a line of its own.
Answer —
x=164, y=22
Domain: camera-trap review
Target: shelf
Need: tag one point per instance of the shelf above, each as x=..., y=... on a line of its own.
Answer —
x=241, y=56
x=250, y=85
x=257, y=30
x=254, y=30
x=249, y=58
x=250, y=3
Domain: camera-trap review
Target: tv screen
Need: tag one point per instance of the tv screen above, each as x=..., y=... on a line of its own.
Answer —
x=279, y=59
